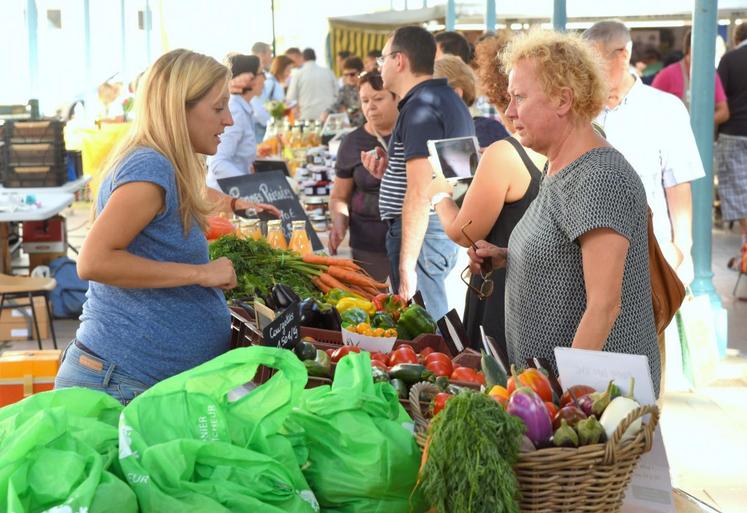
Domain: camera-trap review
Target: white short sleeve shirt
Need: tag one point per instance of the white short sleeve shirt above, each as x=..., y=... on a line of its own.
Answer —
x=652, y=130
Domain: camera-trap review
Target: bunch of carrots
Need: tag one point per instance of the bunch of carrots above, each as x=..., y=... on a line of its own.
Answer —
x=343, y=273
x=258, y=267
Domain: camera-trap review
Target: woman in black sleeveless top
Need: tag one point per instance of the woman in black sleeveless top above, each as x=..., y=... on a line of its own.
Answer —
x=489, y=312
x=506, y=181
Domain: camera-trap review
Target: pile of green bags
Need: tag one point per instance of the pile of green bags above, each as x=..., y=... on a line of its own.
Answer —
x=208, y=440
x=58, y=453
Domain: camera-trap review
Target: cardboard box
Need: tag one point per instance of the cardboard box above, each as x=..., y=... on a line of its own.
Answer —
x=48, y=236
x=23, y=373
x=17, y=323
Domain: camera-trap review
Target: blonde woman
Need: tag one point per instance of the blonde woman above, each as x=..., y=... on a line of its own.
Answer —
x=577, y=270
x=155, y=306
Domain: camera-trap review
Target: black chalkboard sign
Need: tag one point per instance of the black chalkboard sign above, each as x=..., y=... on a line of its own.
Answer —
x=272, y=187
x=283, y=332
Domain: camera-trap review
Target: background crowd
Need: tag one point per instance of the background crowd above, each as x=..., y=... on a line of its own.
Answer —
x=555, y=218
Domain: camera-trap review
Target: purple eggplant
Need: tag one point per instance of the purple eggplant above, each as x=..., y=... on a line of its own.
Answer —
x=586, y=403
x=527, y=406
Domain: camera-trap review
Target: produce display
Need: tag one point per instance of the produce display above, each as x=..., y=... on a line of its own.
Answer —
x=582, y=416
x=402, y=367
x=385, y=315
x=258, y=267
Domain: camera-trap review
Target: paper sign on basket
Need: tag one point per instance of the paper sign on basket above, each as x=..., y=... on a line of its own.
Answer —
x=650, y=488
x=383, y=344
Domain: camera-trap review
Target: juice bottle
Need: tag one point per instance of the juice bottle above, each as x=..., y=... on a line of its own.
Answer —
x=300, y=242
x=275, y=237
x=251, y=229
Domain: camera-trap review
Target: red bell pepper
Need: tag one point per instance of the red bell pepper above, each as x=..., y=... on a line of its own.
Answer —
x=389, y=303
x=534, y=379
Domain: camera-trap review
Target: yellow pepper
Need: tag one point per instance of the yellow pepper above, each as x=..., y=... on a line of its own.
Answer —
x=347, y=303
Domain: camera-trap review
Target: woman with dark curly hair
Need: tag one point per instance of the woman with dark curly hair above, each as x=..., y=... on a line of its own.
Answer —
x=506, y=182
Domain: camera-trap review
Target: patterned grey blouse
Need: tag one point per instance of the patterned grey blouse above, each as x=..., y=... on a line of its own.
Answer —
x=545, y=291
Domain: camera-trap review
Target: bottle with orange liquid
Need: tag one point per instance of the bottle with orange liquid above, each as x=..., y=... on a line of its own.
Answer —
x=250, y=229
x=300, y=242
x=275, y=236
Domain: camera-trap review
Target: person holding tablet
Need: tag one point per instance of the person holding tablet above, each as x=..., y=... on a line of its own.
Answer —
x=505, y=183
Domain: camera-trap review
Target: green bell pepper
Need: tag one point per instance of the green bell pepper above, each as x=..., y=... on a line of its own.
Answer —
x=382, y=320
x=416, y=320
x=354, y=316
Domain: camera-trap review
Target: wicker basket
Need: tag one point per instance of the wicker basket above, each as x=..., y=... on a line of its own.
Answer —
x=590, y=479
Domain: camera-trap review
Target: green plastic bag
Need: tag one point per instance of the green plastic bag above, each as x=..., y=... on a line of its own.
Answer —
x=202, y=441
x=56, y=450
x=363, y=457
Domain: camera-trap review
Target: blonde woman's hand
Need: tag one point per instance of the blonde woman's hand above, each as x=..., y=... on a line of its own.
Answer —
x=486, y=251
x=242, y=204
x=217, y=274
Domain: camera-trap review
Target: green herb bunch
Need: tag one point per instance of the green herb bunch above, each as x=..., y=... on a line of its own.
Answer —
x=258, y=267
x=474, y=445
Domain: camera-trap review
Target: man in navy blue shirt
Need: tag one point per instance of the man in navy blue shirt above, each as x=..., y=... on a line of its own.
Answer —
x=420, y=251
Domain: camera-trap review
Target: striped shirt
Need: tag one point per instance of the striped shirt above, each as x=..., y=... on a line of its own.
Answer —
x=431, y=110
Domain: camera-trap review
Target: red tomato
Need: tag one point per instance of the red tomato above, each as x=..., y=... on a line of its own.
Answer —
x=343, y=351
x=218, y=226
x=379, y=365
x=424, y=353
x=376, y=355
x=439, y=369
x=481, y=377
x=465, y=374
x=551, y=409
x=438, y=357
x=440, y=401
x=402, y=354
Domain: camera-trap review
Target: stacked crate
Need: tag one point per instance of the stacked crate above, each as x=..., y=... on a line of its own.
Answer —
x=34, y=153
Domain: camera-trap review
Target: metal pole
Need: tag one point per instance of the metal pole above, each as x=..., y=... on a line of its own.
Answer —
x=490, y=16
x=123, y=38
x=272, y=11
x=146, y=20
x=450, y=14
x=701, y=118
x=87, y=42
x=559, y=17
x=33, y=29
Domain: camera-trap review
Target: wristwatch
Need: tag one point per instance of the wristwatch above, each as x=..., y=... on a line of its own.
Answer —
x=436, y=199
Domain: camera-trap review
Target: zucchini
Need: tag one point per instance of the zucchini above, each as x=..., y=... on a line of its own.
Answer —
x=494, y=374
x=379, y=375
x=410, y=373
x=400, y=387
x=305, y=350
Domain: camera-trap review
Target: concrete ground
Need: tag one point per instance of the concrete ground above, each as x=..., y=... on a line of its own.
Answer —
x=705, y=430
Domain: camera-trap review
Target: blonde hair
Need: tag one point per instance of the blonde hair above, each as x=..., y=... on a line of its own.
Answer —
x=562, y=60
x=169, y=88
x=458, y=74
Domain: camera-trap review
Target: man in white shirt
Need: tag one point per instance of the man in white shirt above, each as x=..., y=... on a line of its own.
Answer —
x=313, y=87
x=652, y=130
